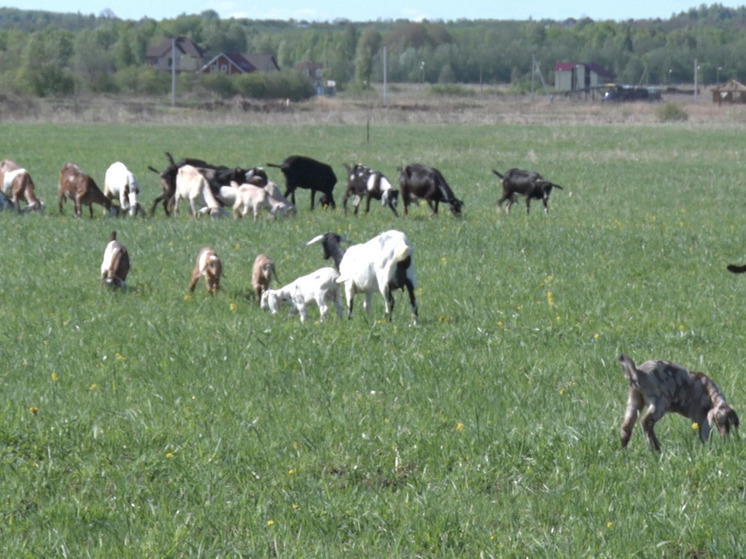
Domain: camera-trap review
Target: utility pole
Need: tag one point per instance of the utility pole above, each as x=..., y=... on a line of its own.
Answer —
x=173, y=72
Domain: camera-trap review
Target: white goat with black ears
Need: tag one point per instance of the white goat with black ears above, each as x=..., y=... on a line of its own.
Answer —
x=382, y=264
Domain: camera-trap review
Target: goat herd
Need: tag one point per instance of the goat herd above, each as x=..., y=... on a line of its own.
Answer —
x=382, y=264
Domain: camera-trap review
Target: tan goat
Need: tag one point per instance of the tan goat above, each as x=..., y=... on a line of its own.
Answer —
x=208, y=265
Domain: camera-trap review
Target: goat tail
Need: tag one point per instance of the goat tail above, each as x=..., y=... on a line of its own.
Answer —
x=274, y=165
x=629, y=368
x=553, y=185
x=497, y=173
x=736, y=269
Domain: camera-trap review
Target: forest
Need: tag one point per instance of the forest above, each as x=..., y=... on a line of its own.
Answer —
x=45, y=54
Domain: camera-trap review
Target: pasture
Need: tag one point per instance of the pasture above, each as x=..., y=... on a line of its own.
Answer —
x=149, y=423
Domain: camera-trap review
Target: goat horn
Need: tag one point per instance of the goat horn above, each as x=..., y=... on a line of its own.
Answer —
x=316, y=239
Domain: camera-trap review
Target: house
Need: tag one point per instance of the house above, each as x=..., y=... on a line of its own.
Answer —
x=314, y=71
x=731, y=91
x=233, y=63
x=572, y=77
x=188, y=55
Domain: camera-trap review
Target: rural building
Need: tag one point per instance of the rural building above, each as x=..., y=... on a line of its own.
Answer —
x=189, y=57
x=314, y=71
x=572, y=77
x=731, y=91
x=232, y=63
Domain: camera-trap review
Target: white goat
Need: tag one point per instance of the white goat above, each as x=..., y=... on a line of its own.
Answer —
x=250, y=197
x=120, y=183
x=318, y=287
x=277, y=200
x=193, y=186
x=382, y=264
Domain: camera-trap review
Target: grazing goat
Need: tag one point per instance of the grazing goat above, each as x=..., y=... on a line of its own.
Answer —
x=16, y=183
x=666, y=386
x=216, y=175
x=319, y=287
x=261, y=275
x=81, y=188
x=364, y=182
x=120, y=183
x=304, y=172
x=383, y=264
x=526, y=183
x=207, y=265
x=116, y=263
x=426, y=183
x=191, y=185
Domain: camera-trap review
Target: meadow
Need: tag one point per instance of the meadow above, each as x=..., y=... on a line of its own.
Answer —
x=151, y=423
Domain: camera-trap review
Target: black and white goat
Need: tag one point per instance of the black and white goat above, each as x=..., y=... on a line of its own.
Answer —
x=364, y=182
x=383, y=264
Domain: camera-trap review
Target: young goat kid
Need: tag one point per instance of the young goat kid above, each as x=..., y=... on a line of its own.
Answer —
x=116, y=263
x=666, y=386
x=261, y=275
x=208, y=265
x=319, y=287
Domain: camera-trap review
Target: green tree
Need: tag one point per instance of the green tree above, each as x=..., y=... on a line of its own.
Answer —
x=367, y=47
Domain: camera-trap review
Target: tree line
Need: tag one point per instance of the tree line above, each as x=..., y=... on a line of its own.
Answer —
x=50, y=54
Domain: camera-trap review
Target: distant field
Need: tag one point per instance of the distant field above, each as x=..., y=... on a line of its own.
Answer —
x=152, y=424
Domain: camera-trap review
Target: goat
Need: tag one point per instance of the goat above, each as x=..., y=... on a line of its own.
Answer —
x=120, y=183
x=116, y=263
x=193, y=186
x=426, y=183
x=666, y=386
x=526, y=183
x=261, y=275
x=364, y=182
x=382, y=264
x=250, y=197
x=208, y=265
x=82, y=189
x=304, y=172
x=277, y=200
x=16, y=183
x=318, y=287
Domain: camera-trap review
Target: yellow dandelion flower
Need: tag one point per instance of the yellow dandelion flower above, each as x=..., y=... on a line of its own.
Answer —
x=270, y=522
x=609, y=524
x=94, y=386
x=232, y=306
x=443, y=260
x=596, y=336
x=550, y=298
x=459, y=427
x=169, y=455
x=187, y=297
x=295, y=445
x=119, y=357
x=295, y=507
x=54, y=377
x=695, y=426
x=34, y=410
x=238, y=245
x=291, y=471
x=562, y=391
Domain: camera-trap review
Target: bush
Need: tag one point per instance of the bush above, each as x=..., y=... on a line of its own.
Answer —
x=671, y=112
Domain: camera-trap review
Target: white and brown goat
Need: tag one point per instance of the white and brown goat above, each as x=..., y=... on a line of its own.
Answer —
x=16, y=184
x=116, y=263
x=261, y=275
x=208, y=265
x=666, y=386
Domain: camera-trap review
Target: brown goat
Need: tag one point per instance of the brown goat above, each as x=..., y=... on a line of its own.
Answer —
x=261, y=275
x=116, y=263
x=666, y=386
x=208, y=265
x=16, y=183
x=81, y=189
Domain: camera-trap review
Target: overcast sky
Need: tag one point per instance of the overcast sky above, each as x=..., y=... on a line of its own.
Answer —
x=329, y=10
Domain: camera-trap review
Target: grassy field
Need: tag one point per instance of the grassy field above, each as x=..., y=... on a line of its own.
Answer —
x=149, y=423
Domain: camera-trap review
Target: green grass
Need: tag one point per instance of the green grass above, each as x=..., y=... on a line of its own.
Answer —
x=150, y=424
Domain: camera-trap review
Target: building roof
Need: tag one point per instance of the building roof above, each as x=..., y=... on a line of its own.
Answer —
x=263, y=62
x=730, y=85
x=185, y=45
x=245, y=64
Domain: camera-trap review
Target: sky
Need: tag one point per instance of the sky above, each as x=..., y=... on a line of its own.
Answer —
x=416, y=10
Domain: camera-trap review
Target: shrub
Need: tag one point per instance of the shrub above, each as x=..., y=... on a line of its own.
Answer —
x=671, y=112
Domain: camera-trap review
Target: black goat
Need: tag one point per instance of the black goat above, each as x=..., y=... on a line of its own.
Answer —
x=304, y=172
x=364, y=182
x=526, y=183
x=426, y=183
